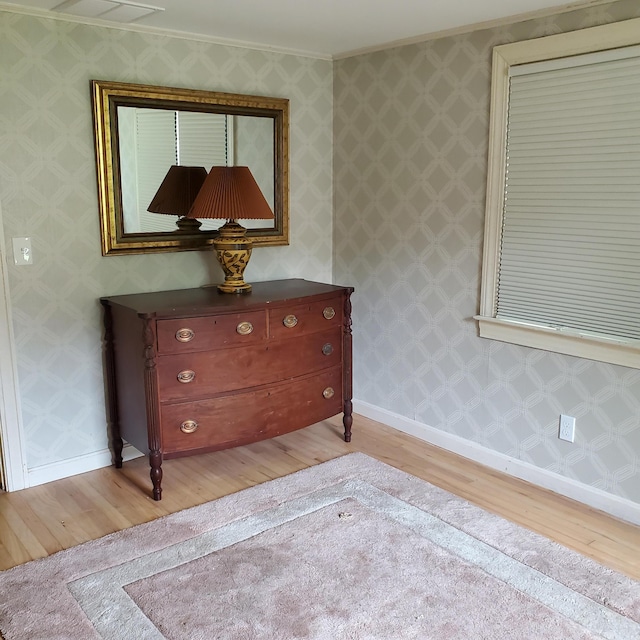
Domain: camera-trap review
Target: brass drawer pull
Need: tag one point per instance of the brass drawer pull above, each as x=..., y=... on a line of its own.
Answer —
x=188, y=426
x=185, y=335
x=290, y=321
x=327, y=349
x=186, y=376
x=329, y=312
x=244, y=328
x=328, y=393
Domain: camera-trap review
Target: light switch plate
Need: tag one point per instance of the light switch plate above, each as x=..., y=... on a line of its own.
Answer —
x=22, y=251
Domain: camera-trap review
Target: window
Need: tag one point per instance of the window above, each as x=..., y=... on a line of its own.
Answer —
x=561, y=264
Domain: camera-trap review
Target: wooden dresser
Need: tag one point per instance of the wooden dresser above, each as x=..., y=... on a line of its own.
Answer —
x=196, y=370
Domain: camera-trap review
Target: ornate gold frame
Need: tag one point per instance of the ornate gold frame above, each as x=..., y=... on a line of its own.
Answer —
x=108, y=96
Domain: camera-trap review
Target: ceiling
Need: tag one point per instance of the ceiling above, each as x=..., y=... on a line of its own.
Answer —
x=320, y=28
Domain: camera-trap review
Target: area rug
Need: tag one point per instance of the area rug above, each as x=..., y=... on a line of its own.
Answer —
x=349, y=549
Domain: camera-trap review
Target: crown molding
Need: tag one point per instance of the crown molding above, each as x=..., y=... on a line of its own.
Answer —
x=140, y=28
x=478, y=26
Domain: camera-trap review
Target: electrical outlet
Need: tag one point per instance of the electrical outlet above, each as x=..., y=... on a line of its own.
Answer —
x=567, y=428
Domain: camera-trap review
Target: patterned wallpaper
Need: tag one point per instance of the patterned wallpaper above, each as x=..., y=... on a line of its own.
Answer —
x=410, y=164
x=48, y=192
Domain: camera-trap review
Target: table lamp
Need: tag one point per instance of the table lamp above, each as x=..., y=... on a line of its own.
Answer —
x=231, y=193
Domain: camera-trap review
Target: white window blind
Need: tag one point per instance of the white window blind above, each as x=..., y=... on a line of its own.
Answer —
x=202, y=139
x=570, y=244
x=156, y=151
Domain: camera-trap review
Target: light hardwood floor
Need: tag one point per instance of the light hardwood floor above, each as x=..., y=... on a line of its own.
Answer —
x=42, y=520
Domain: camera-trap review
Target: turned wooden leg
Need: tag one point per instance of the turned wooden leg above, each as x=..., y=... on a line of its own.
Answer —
x=155, y=460
x=153, y=411
x=117, y=444
x=347, y=389
x=347, y=420
x=113, y=419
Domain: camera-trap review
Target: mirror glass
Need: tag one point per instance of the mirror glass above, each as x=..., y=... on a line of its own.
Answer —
x=141, y=131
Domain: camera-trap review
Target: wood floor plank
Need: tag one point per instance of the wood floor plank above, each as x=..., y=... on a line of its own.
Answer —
x=39, y=521
x=32, y=520
x=11, y=543
x=26, y=537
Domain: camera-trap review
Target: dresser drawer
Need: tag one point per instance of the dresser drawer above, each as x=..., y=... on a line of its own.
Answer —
x=197, y=375
x=246, y=417
x=200, y=333
x=305, y=318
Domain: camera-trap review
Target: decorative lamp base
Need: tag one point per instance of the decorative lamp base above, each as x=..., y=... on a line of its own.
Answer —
x=233, y=250
x=187, y=225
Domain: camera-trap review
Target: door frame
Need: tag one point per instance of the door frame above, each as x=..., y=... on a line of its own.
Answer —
x=12, y=449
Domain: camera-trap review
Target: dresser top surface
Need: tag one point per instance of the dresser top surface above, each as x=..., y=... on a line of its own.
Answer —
x=181, y=302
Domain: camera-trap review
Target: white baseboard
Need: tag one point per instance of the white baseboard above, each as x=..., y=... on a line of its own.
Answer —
x=74, y=466
x=596, y=498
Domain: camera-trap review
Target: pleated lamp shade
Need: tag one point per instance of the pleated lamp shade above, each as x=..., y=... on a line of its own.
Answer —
x=230, y=193
x=178, y=190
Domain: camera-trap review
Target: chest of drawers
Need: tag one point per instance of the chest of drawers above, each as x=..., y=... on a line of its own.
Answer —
x=195, y=370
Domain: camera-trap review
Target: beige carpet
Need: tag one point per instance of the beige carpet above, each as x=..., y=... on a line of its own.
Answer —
x=349, y=549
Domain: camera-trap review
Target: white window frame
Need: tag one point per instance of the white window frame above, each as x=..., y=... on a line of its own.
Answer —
x=622, y=352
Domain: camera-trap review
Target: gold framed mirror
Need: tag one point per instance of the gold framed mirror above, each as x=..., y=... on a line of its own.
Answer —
x=141, y=130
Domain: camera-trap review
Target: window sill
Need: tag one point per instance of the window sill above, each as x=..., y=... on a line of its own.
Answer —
x=624, y=353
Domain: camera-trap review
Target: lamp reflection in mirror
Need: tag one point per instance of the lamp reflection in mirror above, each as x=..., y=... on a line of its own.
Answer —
x=177, y=193
x=231, y=193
